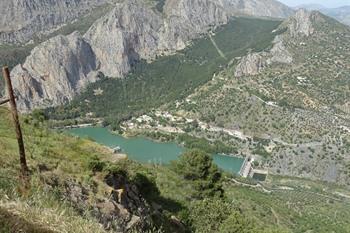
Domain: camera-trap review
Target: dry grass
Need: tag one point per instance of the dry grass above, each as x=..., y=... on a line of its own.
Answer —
x=43, y=212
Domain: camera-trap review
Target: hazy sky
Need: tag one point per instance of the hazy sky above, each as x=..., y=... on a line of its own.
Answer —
x=326, y=3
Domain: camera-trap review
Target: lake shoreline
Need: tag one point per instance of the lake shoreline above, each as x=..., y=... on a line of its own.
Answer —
x=145, y=150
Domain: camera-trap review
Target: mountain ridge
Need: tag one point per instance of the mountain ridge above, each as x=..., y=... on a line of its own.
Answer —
x=150, y=35
x=342, y=13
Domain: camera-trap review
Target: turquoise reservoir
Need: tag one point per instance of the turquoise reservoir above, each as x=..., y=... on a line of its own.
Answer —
x=148, y=151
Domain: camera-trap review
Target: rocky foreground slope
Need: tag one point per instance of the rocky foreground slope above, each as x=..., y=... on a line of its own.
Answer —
x=132, y=31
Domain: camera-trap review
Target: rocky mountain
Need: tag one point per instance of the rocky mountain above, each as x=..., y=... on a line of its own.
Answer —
x=132, y=31
x=264, y=8
x=22, y=20
x=54, y=72
x=342, y=14
x=254, y=63
x=302, y=23
x=310, y=7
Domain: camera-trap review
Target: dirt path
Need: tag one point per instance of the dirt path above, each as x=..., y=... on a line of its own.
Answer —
x=217, y=47
x=276, y=216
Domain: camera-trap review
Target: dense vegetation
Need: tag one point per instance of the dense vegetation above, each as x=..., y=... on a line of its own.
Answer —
x=198, y=168
x=169, y=78
x=191, y=142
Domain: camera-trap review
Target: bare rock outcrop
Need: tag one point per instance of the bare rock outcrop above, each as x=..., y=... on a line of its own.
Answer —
x=279, y=53
x=54, y=72
x=21, y=20
x=252, y=64
x=301, y=23
x=125, y=35
x=119, y=205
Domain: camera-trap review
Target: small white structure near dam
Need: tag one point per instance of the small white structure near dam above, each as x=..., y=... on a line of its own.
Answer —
x=247, y=170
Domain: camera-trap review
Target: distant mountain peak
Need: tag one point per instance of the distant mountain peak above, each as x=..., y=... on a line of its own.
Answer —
x=306, y=23
x=310, y=7
x=341, y=13
x=301, y=23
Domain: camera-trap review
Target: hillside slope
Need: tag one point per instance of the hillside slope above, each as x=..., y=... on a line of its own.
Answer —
x=341, y=13
x=75, y=187
x=66, y=194
x=289, y=103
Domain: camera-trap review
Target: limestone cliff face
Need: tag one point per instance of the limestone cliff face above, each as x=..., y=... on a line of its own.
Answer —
x=254, y=63
x=59, y=68
x=279, y=53
x=129, y=32
x=54, y=72
x=21, y=20
x=302, y=23
x=185, y=19
x=133, y=31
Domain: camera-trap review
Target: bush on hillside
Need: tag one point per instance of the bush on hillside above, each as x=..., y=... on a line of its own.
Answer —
x=197, y=167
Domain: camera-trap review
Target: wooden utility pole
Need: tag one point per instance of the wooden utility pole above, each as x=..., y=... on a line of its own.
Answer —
x=4, y=101
x=19, y=136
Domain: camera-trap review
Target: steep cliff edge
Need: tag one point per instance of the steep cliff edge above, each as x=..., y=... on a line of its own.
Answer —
x=54, y=72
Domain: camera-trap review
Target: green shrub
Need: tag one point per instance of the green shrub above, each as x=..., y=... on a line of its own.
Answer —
x=95, y=164
x=197, y=167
